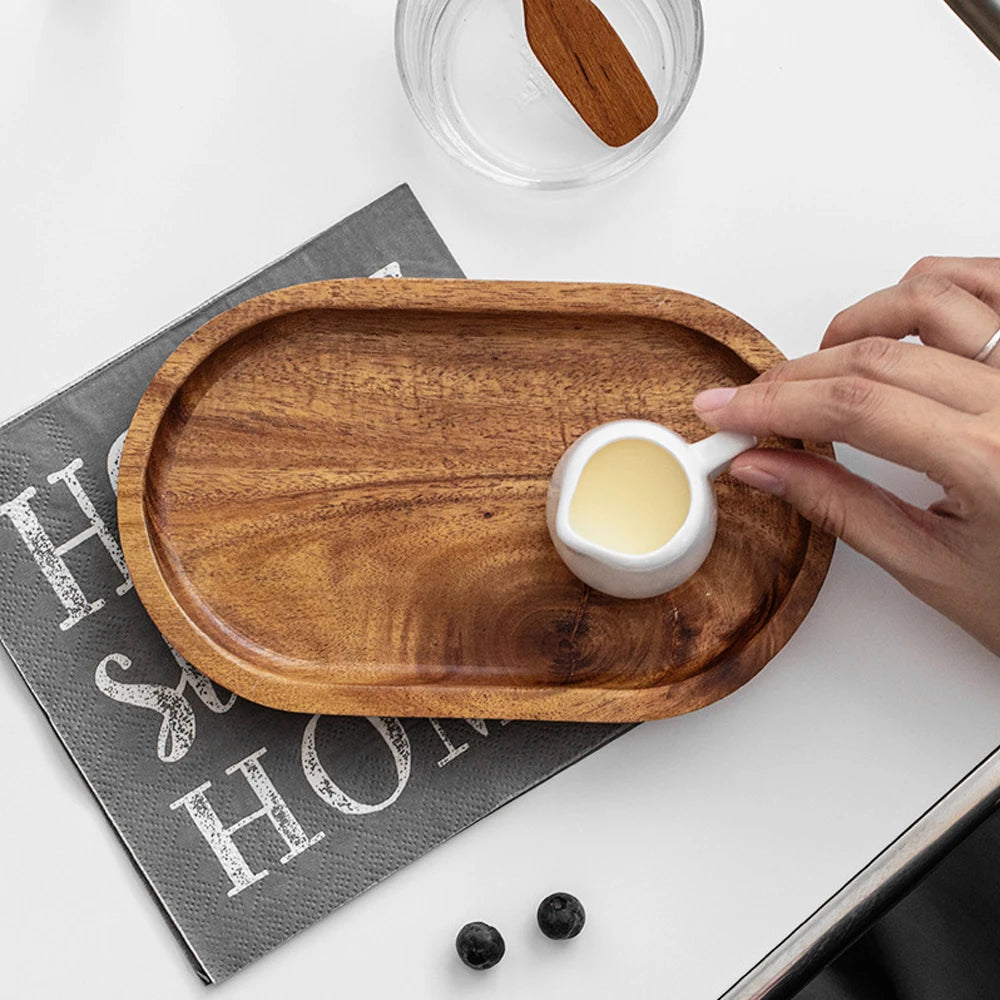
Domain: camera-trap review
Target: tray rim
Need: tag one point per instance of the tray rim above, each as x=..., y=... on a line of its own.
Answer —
x=551, y=702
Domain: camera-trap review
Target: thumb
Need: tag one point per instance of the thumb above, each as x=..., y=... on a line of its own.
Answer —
x=891, y=532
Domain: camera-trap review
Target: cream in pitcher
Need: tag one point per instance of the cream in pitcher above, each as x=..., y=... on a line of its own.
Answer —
x=631, y=506
x=632, y=496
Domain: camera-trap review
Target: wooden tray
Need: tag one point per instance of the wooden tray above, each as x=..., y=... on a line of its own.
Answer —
x=332, y=499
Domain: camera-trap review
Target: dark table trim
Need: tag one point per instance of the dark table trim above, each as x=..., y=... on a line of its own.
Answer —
x=859, y=903
x=982, y=18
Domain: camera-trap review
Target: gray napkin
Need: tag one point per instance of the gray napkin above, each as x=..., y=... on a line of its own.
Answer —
x=248, y=824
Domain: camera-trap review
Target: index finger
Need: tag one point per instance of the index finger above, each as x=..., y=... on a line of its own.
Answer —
x=884, y=420
x=964, y=385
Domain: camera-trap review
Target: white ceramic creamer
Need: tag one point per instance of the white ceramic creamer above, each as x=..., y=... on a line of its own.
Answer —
x=631, y=506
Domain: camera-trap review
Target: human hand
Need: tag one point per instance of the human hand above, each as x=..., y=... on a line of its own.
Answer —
x=926, y=406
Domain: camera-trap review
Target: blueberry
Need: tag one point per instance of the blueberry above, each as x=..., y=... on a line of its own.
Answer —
x=479, y=945
x=561, y=916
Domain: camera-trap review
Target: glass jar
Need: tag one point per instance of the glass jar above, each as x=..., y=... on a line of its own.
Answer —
x=478, y=89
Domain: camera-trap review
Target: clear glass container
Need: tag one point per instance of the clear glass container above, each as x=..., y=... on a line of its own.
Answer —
x=480, y=92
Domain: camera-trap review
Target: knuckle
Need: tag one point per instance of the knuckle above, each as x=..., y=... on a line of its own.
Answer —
x=926, y=265
x=874, y=355
x=984, y=439
x=971, y=468
x=770, y=399
x=853, y=398
x=839, y=322
x=926, y=288
x=776, y=373
x=827, y=510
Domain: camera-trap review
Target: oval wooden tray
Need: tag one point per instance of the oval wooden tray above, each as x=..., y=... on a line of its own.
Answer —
x=332, y=499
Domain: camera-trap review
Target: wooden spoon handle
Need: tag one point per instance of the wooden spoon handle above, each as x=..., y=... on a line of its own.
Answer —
x=590, y=64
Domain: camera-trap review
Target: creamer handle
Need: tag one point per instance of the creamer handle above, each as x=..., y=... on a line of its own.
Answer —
x=714, y=453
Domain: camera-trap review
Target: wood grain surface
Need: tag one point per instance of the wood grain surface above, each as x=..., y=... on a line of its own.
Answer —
x=590, y=64
x=332, y=499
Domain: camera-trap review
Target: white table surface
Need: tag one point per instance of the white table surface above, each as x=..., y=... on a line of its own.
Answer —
x=154, y=153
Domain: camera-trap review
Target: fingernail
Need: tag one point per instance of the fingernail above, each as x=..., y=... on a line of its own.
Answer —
x=713, y=399
x=759, y=479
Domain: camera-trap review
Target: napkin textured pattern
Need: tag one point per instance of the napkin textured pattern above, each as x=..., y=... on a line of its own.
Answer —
x=248, y=824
